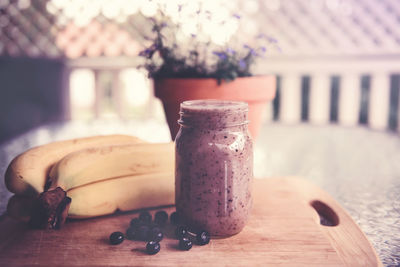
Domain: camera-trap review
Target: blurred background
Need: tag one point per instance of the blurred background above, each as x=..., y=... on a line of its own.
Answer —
x=338, y=62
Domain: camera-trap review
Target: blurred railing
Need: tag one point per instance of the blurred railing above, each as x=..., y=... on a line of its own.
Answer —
x=345, y=90
x=348, y=91
x=108, y=86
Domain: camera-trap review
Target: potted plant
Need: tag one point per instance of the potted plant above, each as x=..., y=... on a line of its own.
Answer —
x=198, y=67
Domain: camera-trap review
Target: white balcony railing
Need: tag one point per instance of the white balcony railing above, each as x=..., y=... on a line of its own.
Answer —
x=382, y=73
x=123, y=88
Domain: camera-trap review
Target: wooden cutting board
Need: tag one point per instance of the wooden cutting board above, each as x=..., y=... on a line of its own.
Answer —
x=284, y=230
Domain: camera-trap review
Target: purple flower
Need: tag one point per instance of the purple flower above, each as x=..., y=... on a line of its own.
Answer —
x=272, y=40
x=230, y=51
x=221, y=55
x=236, y=16
x=163, y=57
x=266, y=37
x=149, y=52
x=242, y=64
x=251, y=50
x=146, y=53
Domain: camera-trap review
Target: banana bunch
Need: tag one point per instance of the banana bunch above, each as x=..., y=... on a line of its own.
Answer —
x=101, y=174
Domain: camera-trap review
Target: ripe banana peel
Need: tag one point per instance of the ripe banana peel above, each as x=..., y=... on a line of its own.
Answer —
x=27, y=173
x=107, y=196
x=123, y=194
x=103, y=179
x=102, y=163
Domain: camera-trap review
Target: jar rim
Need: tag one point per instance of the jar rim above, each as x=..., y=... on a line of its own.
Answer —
x=228, y=125
x=212, y=113
x=213, y=105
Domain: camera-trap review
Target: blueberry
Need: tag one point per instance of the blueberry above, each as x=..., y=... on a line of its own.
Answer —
x=181, y=232
x=185, y=244
x=152, y=247
x=175, y=218
x=131, y=233
x=156, y=234
x=143, y=232
x=145, y=217
x=161, y=217
x=203, y=238
x=116, y=238
x=135, y=223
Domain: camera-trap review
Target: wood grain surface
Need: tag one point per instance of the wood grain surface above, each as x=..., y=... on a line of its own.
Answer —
x=284, y=230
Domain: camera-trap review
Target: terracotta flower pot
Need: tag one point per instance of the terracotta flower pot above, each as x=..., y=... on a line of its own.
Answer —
x=256, y=91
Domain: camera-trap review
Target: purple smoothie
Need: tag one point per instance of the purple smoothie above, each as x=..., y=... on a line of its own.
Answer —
x=214, y=166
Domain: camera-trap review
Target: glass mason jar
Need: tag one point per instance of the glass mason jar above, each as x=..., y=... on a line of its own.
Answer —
x=214, y=166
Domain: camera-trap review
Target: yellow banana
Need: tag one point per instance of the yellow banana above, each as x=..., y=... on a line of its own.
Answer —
x=123, y=193
x=102, y=163
x=27, y=173
x=106, y=197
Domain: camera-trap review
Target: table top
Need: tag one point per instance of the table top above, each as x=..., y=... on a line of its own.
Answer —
x=359, y=167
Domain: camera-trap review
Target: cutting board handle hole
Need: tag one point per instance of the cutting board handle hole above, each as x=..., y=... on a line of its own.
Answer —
x=327, y=216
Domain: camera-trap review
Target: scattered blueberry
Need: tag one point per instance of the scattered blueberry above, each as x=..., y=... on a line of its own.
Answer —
x=175, y=218
x=116, y=238
x=142, y=228
x=181, y=232
x=158, y=237
x=161, y=217
x=135, y=223
x=143, y=232
x=152, y=247
x=203, y=238
x=185, y=244
x=131, y=233
x=145, y=217
x=156, y=234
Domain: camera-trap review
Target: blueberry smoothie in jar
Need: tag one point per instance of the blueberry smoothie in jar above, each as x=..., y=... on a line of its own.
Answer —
x=214, y=166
